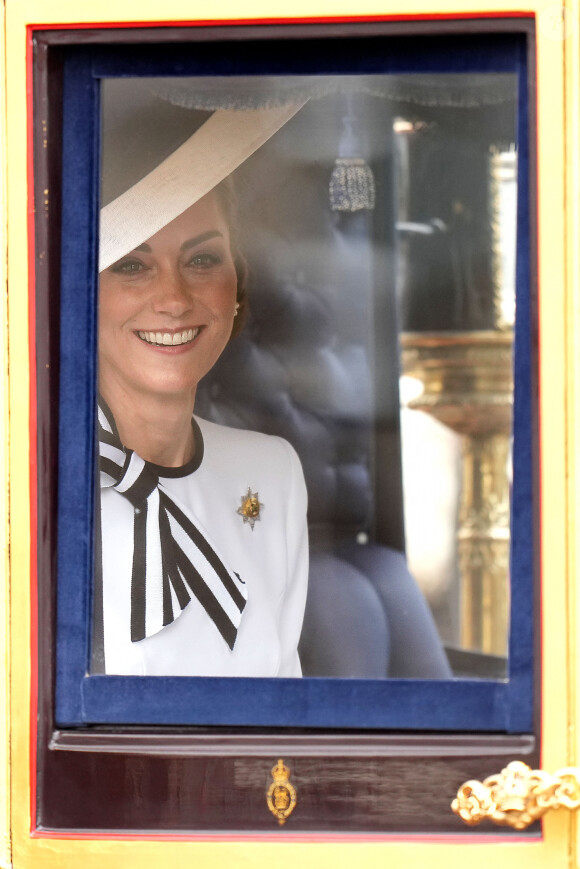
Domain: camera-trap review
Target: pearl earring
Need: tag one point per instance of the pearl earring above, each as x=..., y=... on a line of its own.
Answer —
x=237, y=309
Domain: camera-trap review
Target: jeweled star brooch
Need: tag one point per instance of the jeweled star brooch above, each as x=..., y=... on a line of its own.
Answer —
x=250, y=507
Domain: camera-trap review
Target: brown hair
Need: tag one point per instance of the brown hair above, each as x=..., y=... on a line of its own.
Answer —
x=228, y=200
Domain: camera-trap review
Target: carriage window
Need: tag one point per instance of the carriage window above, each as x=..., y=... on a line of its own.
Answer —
x=376, y=216
x=330, y=260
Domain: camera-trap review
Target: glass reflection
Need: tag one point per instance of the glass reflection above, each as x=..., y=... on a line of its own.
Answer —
x=457, y=384
x=379, y=230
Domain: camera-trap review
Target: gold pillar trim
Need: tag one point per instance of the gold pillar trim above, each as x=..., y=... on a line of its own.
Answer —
x=517, y=796
x=281, y=796
x=503, y=172
x=468, y=386
x=467, y=378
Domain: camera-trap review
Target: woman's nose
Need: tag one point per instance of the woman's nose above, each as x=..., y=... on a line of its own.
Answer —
x=172, y=295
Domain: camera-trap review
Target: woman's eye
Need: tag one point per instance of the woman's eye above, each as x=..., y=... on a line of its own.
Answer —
x=128, y=267
x=204, y=260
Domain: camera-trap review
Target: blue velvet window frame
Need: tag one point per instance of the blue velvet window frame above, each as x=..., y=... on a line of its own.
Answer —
x=82, y=699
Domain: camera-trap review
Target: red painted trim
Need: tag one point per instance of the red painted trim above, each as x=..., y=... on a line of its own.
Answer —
x=32, y=434
x=289, y=838
x=326, y=19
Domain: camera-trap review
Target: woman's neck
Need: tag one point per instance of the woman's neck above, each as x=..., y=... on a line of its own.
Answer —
x=157, y=428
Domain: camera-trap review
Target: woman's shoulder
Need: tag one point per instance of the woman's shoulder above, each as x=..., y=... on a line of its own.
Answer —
x=243, y=444
x=241, y=458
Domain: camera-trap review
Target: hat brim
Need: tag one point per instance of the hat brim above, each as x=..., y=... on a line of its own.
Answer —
x=215, y=150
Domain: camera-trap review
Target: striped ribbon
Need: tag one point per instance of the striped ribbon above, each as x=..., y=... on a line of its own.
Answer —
x=173, y=560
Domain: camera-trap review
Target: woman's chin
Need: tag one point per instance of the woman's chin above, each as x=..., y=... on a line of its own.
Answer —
x=171, y=390
x=154, y=389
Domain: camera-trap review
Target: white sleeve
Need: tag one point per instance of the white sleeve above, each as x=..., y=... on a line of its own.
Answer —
x=292, y=614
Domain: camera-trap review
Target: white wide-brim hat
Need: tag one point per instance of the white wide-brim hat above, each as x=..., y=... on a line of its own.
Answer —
x=186, y=173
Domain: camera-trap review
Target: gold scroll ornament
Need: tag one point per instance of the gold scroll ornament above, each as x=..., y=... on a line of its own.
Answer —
x=281, y=796
x=517, y=796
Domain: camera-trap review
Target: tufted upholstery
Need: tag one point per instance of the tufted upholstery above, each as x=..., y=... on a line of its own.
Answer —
x=304, y=368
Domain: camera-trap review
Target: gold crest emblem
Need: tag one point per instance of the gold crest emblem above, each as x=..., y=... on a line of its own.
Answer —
x=250, y=507
x=281, y=796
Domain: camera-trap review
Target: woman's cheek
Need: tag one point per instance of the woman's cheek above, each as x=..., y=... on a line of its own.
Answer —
x=117, y=304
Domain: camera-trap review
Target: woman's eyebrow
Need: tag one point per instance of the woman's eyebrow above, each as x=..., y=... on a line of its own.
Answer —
x=191, y=242
x=198, y=239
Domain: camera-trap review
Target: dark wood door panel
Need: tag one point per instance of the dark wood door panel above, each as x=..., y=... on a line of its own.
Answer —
x=346, y=785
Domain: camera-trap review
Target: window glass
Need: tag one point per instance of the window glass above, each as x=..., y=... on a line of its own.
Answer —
x=377, y=218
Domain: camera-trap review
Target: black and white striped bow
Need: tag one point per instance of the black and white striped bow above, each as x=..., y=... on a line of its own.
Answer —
x=173, y=559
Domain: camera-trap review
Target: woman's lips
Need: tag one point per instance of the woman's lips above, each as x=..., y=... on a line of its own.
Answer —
x=169, y=339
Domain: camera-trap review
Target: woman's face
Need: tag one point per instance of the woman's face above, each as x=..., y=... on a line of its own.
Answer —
x=166, y=309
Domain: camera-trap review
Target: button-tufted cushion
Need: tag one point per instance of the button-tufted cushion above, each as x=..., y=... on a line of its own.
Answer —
x=304, y=368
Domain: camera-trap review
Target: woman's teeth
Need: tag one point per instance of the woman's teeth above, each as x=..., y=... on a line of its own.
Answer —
x=169, y=339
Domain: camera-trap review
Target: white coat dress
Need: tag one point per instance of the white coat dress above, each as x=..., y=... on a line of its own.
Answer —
x=271, y=559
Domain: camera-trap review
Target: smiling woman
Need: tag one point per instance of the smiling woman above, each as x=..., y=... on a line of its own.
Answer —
x=189, y=581
x=166, y=314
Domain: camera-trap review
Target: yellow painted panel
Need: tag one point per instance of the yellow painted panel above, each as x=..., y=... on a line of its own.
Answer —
x=552, y=385
x=46, y=11
x=4, y=602
x=573, y=368
x=329, y=855
x=560, y=403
